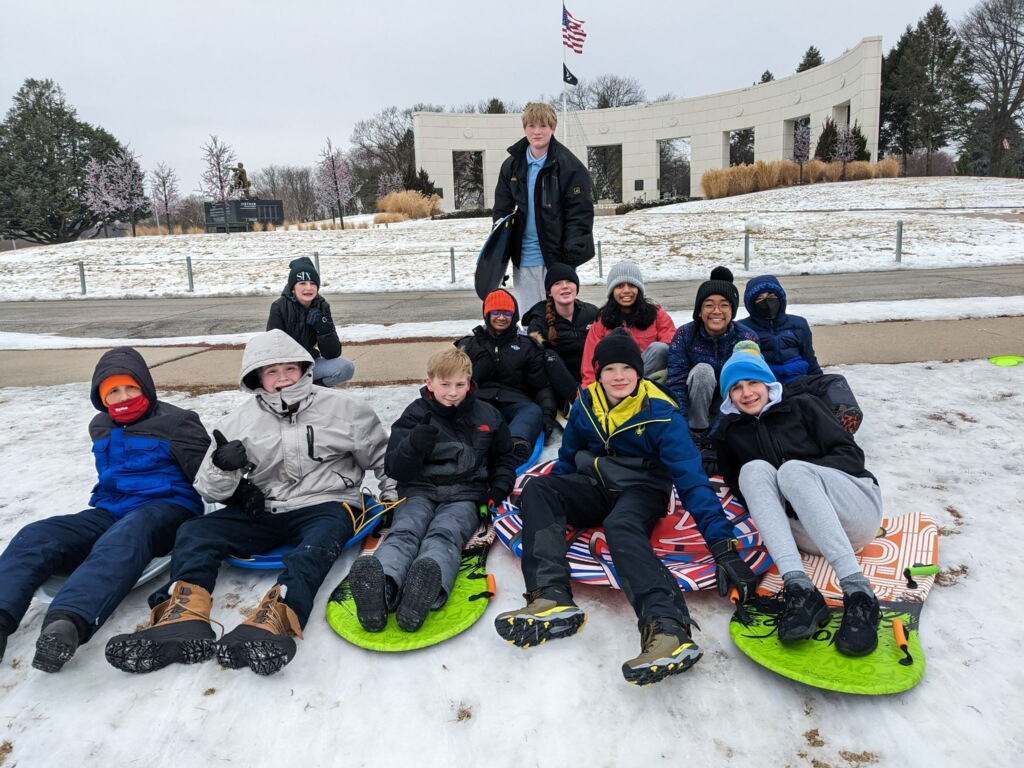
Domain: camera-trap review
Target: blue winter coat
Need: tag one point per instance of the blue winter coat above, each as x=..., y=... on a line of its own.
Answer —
x=786, y=340
x=153, y=459
x=645, y=427
x=691, y=346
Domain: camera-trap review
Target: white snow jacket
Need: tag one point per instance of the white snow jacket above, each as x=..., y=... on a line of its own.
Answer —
x=307, y=444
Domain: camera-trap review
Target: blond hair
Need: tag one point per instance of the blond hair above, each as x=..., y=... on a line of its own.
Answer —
x=449, y=364
x=539, y=113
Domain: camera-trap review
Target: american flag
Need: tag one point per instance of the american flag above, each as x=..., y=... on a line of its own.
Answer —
x=572, y=32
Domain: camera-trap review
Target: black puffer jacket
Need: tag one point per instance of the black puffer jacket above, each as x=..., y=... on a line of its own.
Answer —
x=799, y=428
x=509, y=368
x=473, y=452
x=288, y=315
x=572, y=335
x=563, y=204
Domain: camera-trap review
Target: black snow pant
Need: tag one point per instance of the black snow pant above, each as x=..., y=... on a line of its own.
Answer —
x=549, y=502
x=565, y=385
x=318, y=533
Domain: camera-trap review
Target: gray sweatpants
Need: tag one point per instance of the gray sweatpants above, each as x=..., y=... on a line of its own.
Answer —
x=424, y=528
x=701, y=391
x=839, y=513
x=528, y=286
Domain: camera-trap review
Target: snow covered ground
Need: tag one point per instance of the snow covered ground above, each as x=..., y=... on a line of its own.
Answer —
x=940, y=438
x=847, y=227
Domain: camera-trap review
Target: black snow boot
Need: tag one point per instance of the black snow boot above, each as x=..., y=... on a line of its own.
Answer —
x=419, y=592
x=58, y=641
x=373, y=593
x=858, y=634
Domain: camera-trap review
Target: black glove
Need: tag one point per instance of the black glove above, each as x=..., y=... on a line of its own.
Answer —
x=423, y=437
x=709, y=461
x=495, y=496
x=314, y=317
x=250, y=498
x=228, y=456
x=732, y=571
x=549, y=427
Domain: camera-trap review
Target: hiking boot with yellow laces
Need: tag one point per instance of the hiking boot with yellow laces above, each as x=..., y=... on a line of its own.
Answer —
x=549, y=614
x=666, y=649
x=180, y=634
x=264, y=641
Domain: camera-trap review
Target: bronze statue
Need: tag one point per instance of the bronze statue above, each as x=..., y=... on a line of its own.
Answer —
x=240, y=182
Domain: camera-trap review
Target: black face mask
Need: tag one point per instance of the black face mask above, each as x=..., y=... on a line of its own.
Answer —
x=768, y=308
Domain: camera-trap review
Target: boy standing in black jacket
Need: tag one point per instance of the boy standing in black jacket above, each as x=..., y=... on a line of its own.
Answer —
x=450, y=454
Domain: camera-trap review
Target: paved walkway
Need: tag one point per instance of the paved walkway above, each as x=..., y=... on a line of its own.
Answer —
x=201, y=368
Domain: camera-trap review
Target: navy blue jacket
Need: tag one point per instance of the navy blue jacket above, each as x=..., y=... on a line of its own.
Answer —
x=786, y=340
x=153, y=459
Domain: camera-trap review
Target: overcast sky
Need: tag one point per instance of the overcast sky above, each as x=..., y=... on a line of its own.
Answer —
x=275, y=78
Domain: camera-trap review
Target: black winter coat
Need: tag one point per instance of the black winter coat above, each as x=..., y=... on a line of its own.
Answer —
x=563, y=204
x=800, y=428
x=572, y=336
x=473, y=452
x=288, y=315
x=509, y=369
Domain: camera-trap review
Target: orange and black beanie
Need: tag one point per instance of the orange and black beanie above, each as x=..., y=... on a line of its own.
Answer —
x=500, y=300
x=117, y=380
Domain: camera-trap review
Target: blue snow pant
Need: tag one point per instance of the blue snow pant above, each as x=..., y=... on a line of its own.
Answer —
x=525, y=420
x=423, y=528
x=105, y=556
x=548, y=502
x=318, y=533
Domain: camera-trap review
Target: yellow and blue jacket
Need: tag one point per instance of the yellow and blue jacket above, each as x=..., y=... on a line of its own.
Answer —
x=645, y=426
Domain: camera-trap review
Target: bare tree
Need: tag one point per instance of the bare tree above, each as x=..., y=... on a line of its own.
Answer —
x=116, y=188
x=166, y=196
x=846, y=147
x=993, y=32
x=801, y=145
x=333, y=180
x=468, y=169
x=606, y=91
x=215, y=181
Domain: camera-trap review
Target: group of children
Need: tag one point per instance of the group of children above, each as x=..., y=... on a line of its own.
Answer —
x=287, y=467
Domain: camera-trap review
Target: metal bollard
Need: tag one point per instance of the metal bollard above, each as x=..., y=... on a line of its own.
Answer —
x=746, y=252
x=81, y=275
x=451, y=251
x=600, y=266
x=316, y=260
x=188, y=268
x=899, y=240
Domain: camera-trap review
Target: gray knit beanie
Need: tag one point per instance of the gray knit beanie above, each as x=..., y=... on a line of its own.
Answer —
x=625, y=272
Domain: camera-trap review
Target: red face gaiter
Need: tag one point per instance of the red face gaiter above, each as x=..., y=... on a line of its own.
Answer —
x=129, y=411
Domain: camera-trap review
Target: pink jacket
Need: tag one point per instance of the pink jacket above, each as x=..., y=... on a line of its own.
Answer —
x=663, y=329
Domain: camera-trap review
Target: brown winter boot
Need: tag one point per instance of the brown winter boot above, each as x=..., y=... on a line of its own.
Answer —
x=180, y=633
x=264, y=641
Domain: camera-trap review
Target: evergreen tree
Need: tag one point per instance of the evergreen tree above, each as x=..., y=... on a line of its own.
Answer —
x=893, y=136
x=741, y=147
x=812, y=58
x=933, y=82
x=825, y=149
x=861, y=142
x=766, y=76
x=494, y=107
x=421, y=183
x=44, y=152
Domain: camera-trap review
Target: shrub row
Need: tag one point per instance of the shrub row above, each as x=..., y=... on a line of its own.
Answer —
x=743, y=179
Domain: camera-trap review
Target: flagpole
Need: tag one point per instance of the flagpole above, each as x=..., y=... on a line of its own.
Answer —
x=565, y=87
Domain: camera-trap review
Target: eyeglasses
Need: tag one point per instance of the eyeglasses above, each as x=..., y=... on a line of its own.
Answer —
x=501, y=313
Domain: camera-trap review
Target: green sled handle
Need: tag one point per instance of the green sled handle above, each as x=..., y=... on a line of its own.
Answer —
x=918, y=569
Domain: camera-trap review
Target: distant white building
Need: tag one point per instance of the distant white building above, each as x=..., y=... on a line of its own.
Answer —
x=846, y=89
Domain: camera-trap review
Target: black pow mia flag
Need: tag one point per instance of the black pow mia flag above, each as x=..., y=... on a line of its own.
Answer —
x=569, y=77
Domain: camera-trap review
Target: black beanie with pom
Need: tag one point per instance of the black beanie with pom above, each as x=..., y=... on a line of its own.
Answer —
x=720, y=284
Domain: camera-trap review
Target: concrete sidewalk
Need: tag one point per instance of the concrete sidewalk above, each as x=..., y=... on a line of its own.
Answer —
x=210, y=369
